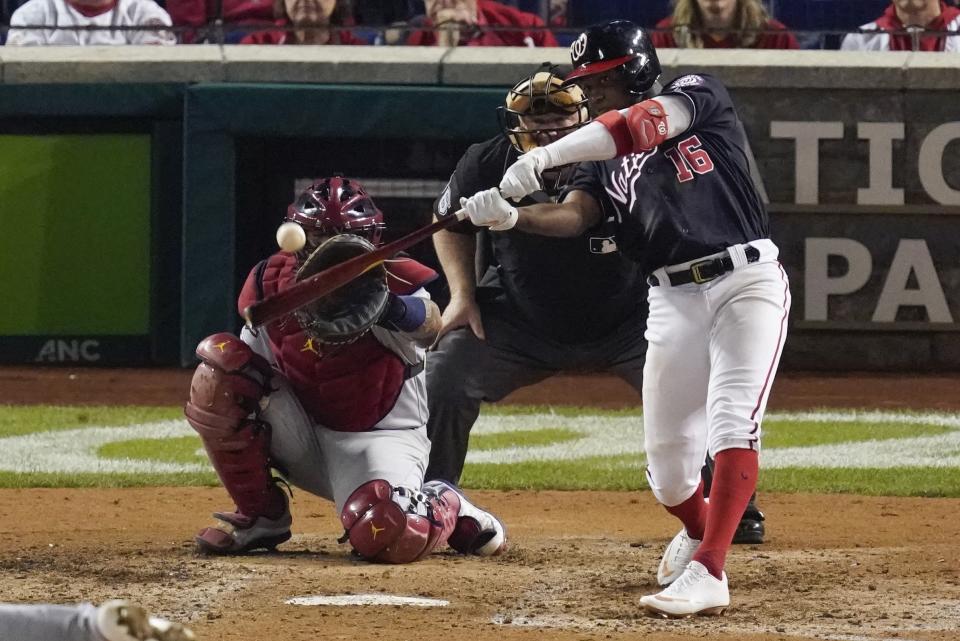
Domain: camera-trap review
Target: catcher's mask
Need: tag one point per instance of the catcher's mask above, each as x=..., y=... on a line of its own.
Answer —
x=337, y=205
x=542, y=97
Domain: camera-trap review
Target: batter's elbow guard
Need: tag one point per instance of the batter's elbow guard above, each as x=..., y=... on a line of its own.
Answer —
x=643, y=128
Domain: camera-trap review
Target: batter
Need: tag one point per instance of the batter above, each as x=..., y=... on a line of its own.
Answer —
x=673, y=170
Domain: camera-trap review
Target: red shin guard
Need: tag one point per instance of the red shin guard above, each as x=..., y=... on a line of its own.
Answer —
x=380, y=530
x=734, y=481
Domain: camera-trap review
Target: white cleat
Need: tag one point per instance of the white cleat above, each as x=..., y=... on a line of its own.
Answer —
x=676, y=558
x=125, y=621
x=477, y=531
x=491, y=536
x=695, y=592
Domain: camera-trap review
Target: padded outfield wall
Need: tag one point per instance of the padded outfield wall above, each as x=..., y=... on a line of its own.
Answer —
x=859, y=155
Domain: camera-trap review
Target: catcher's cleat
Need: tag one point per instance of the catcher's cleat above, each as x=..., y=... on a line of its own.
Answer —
x=750, y=531
x=695, y=592
x=125, y=621
x=676, y=557
x=236, y=533
x=477, y=531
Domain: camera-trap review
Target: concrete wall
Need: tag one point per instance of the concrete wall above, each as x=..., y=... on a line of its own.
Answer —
x=466, y=66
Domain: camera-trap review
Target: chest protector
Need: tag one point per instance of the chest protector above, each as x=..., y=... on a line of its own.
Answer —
x=348, y=388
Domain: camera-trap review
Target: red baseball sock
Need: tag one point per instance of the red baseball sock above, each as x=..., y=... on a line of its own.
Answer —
x=734, y=481
x=693, y=513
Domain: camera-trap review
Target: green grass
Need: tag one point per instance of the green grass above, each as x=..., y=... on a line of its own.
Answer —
x=615, y=472
x=522, y=438
x=598, y=473
x=806, y=433
x=619, y=473
x=896, y=481
x=17, y=480
x=24, y=419
x=563, y=410
x=170, y=450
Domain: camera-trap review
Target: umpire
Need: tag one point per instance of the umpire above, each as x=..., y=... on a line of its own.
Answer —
x=544, y=305
x=524, y=307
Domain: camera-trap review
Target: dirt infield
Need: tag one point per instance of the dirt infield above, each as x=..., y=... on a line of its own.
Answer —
x=835, y=567
x=91, y=386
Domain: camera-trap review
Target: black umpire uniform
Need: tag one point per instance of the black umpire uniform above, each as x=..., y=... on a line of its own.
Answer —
x=547, y=305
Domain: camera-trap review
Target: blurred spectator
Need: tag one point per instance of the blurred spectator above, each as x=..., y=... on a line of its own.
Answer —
x=722, y=24
x=904, y=26
x=475, y=23
x=66, y=22
x=554, y=12
x=321, y=16
x=378, y=13
x=558, y=12
x=282, y=13
x=198, y=13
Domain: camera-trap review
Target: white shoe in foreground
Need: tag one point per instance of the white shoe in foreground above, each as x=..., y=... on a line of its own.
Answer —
x=676, y=557
x=125, y=621
x=695, y=592
x=477, y=531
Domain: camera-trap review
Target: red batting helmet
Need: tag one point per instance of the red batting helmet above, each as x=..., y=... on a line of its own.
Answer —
x=337, y=205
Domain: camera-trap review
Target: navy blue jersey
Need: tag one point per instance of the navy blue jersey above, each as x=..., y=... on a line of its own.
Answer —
x=690, y=197
x=569, y=289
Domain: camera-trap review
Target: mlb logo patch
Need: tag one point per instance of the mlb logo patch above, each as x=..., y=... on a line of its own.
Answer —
x=602, y=245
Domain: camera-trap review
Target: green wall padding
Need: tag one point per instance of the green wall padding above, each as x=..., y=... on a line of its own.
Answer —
x=75, y=234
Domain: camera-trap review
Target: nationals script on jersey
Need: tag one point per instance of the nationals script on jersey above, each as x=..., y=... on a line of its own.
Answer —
x=699, y=180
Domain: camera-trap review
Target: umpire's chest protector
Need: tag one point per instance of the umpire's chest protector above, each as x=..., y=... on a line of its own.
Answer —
x=348, y=388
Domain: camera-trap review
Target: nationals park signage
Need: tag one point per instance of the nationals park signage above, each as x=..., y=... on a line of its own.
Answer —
x=879, y=245
x=864, y=194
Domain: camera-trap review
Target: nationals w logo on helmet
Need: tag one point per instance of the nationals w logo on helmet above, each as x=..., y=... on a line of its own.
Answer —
x=618, y=44
x=578, y=48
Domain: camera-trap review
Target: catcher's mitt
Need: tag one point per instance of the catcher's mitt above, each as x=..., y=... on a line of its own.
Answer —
x=347, y=313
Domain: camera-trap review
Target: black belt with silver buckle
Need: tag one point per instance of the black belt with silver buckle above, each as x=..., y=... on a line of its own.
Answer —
x=703, y=271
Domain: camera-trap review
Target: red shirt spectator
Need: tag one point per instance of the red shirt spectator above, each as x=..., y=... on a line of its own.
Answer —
x=892, y=30
x=196, y=13
x=477, y=20
x=722, y=24
x=286, y=36
x=283, y=13
x=776, y=38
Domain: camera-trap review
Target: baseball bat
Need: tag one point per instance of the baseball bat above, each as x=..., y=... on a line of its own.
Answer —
x=333, y=278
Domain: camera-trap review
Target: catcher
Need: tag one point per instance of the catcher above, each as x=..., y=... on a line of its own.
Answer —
x=334, y=398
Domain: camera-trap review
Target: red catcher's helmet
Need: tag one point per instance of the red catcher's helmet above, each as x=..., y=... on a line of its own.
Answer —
x=337, y=205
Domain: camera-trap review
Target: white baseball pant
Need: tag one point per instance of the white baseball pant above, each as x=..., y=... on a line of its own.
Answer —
x=713, y=353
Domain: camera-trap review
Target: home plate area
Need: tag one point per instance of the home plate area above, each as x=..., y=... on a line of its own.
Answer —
x=834, y=567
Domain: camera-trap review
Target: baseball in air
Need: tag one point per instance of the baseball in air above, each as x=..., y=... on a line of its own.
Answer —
x=291, y=237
